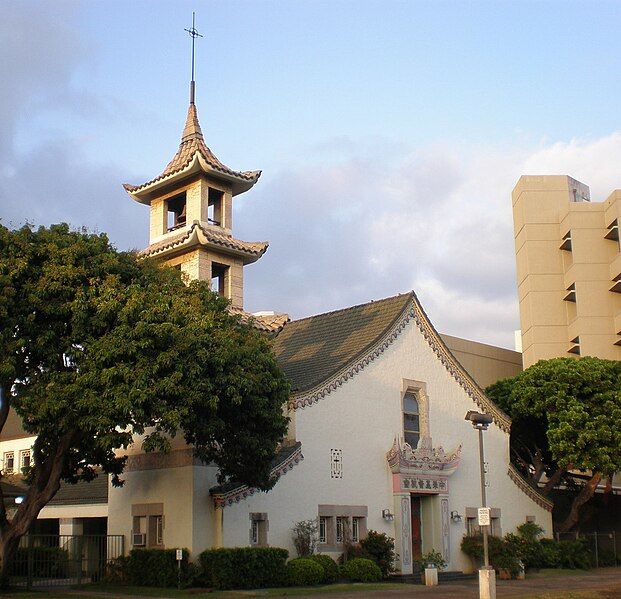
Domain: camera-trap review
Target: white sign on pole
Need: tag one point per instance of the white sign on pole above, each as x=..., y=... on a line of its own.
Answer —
x=484, y=516
x=179, y=555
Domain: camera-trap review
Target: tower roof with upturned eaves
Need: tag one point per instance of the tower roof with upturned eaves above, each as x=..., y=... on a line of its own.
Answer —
x=192, y=157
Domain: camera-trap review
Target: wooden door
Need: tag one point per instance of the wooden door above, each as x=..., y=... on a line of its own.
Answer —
x=416, y=528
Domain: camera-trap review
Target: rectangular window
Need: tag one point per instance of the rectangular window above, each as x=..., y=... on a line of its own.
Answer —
x=336, y=463
x=323, y=529
x=176, y=212
x=9, y=462
x=218, y=278
x=24, y=458
x=355, y=530
x=254, y=532
x=411, y=419
x=159, y=530
x=214, y=209
x=341, y=529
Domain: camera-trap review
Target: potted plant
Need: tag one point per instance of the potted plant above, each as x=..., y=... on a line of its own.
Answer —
x=430, y=563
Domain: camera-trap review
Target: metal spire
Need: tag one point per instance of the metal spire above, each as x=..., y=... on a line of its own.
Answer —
x=193, y=34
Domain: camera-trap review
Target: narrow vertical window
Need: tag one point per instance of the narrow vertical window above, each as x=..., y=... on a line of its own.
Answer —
x=9, y=462
x=336, y=463
x=411, y=420
x=323, y=529
x=159, y=530
x=254, y=532
x=355, y=530
x=341, y=527
x=24, y=458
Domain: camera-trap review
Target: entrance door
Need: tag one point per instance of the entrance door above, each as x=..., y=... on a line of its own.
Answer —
x=416, y=528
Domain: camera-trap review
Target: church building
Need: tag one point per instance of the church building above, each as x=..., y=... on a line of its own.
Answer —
x=377, y=438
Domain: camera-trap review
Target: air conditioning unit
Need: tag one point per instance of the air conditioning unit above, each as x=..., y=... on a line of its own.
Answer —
x=139, y=539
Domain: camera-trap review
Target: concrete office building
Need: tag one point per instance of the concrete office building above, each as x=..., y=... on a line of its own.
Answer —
x=568, y=269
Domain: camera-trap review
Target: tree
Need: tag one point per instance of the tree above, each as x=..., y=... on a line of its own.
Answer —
x=566, y=415
x=97, y=347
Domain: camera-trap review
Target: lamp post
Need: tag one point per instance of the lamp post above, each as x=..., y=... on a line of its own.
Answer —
x=487, y=575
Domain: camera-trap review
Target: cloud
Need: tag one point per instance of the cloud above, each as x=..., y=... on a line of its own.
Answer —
x=43, y=181
x=437, y=220
x=349, y=220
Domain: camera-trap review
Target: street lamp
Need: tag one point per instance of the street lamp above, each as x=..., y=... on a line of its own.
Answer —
x=487, y=575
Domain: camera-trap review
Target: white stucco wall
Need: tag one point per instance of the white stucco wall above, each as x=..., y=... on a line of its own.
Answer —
x=15, y=445
x=362, y=418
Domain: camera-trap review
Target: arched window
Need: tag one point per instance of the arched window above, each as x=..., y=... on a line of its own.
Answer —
x=411, y=419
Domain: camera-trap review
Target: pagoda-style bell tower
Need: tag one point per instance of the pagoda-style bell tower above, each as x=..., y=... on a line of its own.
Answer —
x=192, y=214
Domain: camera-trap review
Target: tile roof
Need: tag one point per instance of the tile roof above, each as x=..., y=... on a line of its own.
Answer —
x=208, y=235
x=286, y=458
x=193, y=143
x=95, y=491
x=269, y=323
x=313, y=349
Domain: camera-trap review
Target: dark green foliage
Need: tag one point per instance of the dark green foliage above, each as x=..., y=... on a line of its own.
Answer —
x=243, y=567
x=606, y=558
x=526, y=544
x=503, y=555
x=47, y=562
x=156, y=568
x=381, y=549
x=304, y=571
x=330, y=567
x=96, y=345
x=432, y=558
x=352, y=551
x=566, y=554
x=360, y=569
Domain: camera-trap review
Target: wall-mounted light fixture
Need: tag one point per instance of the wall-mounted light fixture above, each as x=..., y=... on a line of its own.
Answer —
x=19, y=499
x=455, y=516
x=388, y=515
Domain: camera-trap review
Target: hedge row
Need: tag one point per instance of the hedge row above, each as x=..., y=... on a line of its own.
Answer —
x=238, y=568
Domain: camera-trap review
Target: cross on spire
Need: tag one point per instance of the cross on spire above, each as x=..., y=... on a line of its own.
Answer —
x=193, y=33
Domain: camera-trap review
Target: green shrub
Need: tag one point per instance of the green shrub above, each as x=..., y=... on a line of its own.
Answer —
x=503, y=554
x=575, y=554
x=433, y=558
x=243, y=567
x=156, y=568
x=381, y=549
x=606, y=558
x=551, y=554
x=360, y=569
x=304, y=571
x=305, y=537
x=330, y=567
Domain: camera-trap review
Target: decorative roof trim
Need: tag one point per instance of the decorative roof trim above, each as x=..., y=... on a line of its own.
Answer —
x=413, y=310
x=425, y=459
x=457, y=371
x=240, y=493
x=197, y=234
x=516, y=476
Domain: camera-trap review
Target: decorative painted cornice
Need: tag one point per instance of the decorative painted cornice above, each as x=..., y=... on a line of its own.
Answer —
x=425, y=459
x=517, y=477
x=222, y=499
x=413, y=310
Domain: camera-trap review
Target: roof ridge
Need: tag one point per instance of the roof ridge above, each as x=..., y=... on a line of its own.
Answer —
x=347, y=309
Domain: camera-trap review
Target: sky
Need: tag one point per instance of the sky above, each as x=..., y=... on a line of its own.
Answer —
x=390, y=134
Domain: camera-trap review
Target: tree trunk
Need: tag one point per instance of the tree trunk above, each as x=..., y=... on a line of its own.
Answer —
x=585, y=494
x=8, y=547
x=554, y=480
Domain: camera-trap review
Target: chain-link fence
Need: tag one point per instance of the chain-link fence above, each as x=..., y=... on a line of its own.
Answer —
x=62, y=560
x=603, y=546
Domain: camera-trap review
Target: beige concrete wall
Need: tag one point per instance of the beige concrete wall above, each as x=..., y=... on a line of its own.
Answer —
x=486, y=364
x=546, y=211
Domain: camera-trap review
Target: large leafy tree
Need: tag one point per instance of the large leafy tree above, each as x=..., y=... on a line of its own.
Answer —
x=98, y=349
x=566, y=414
